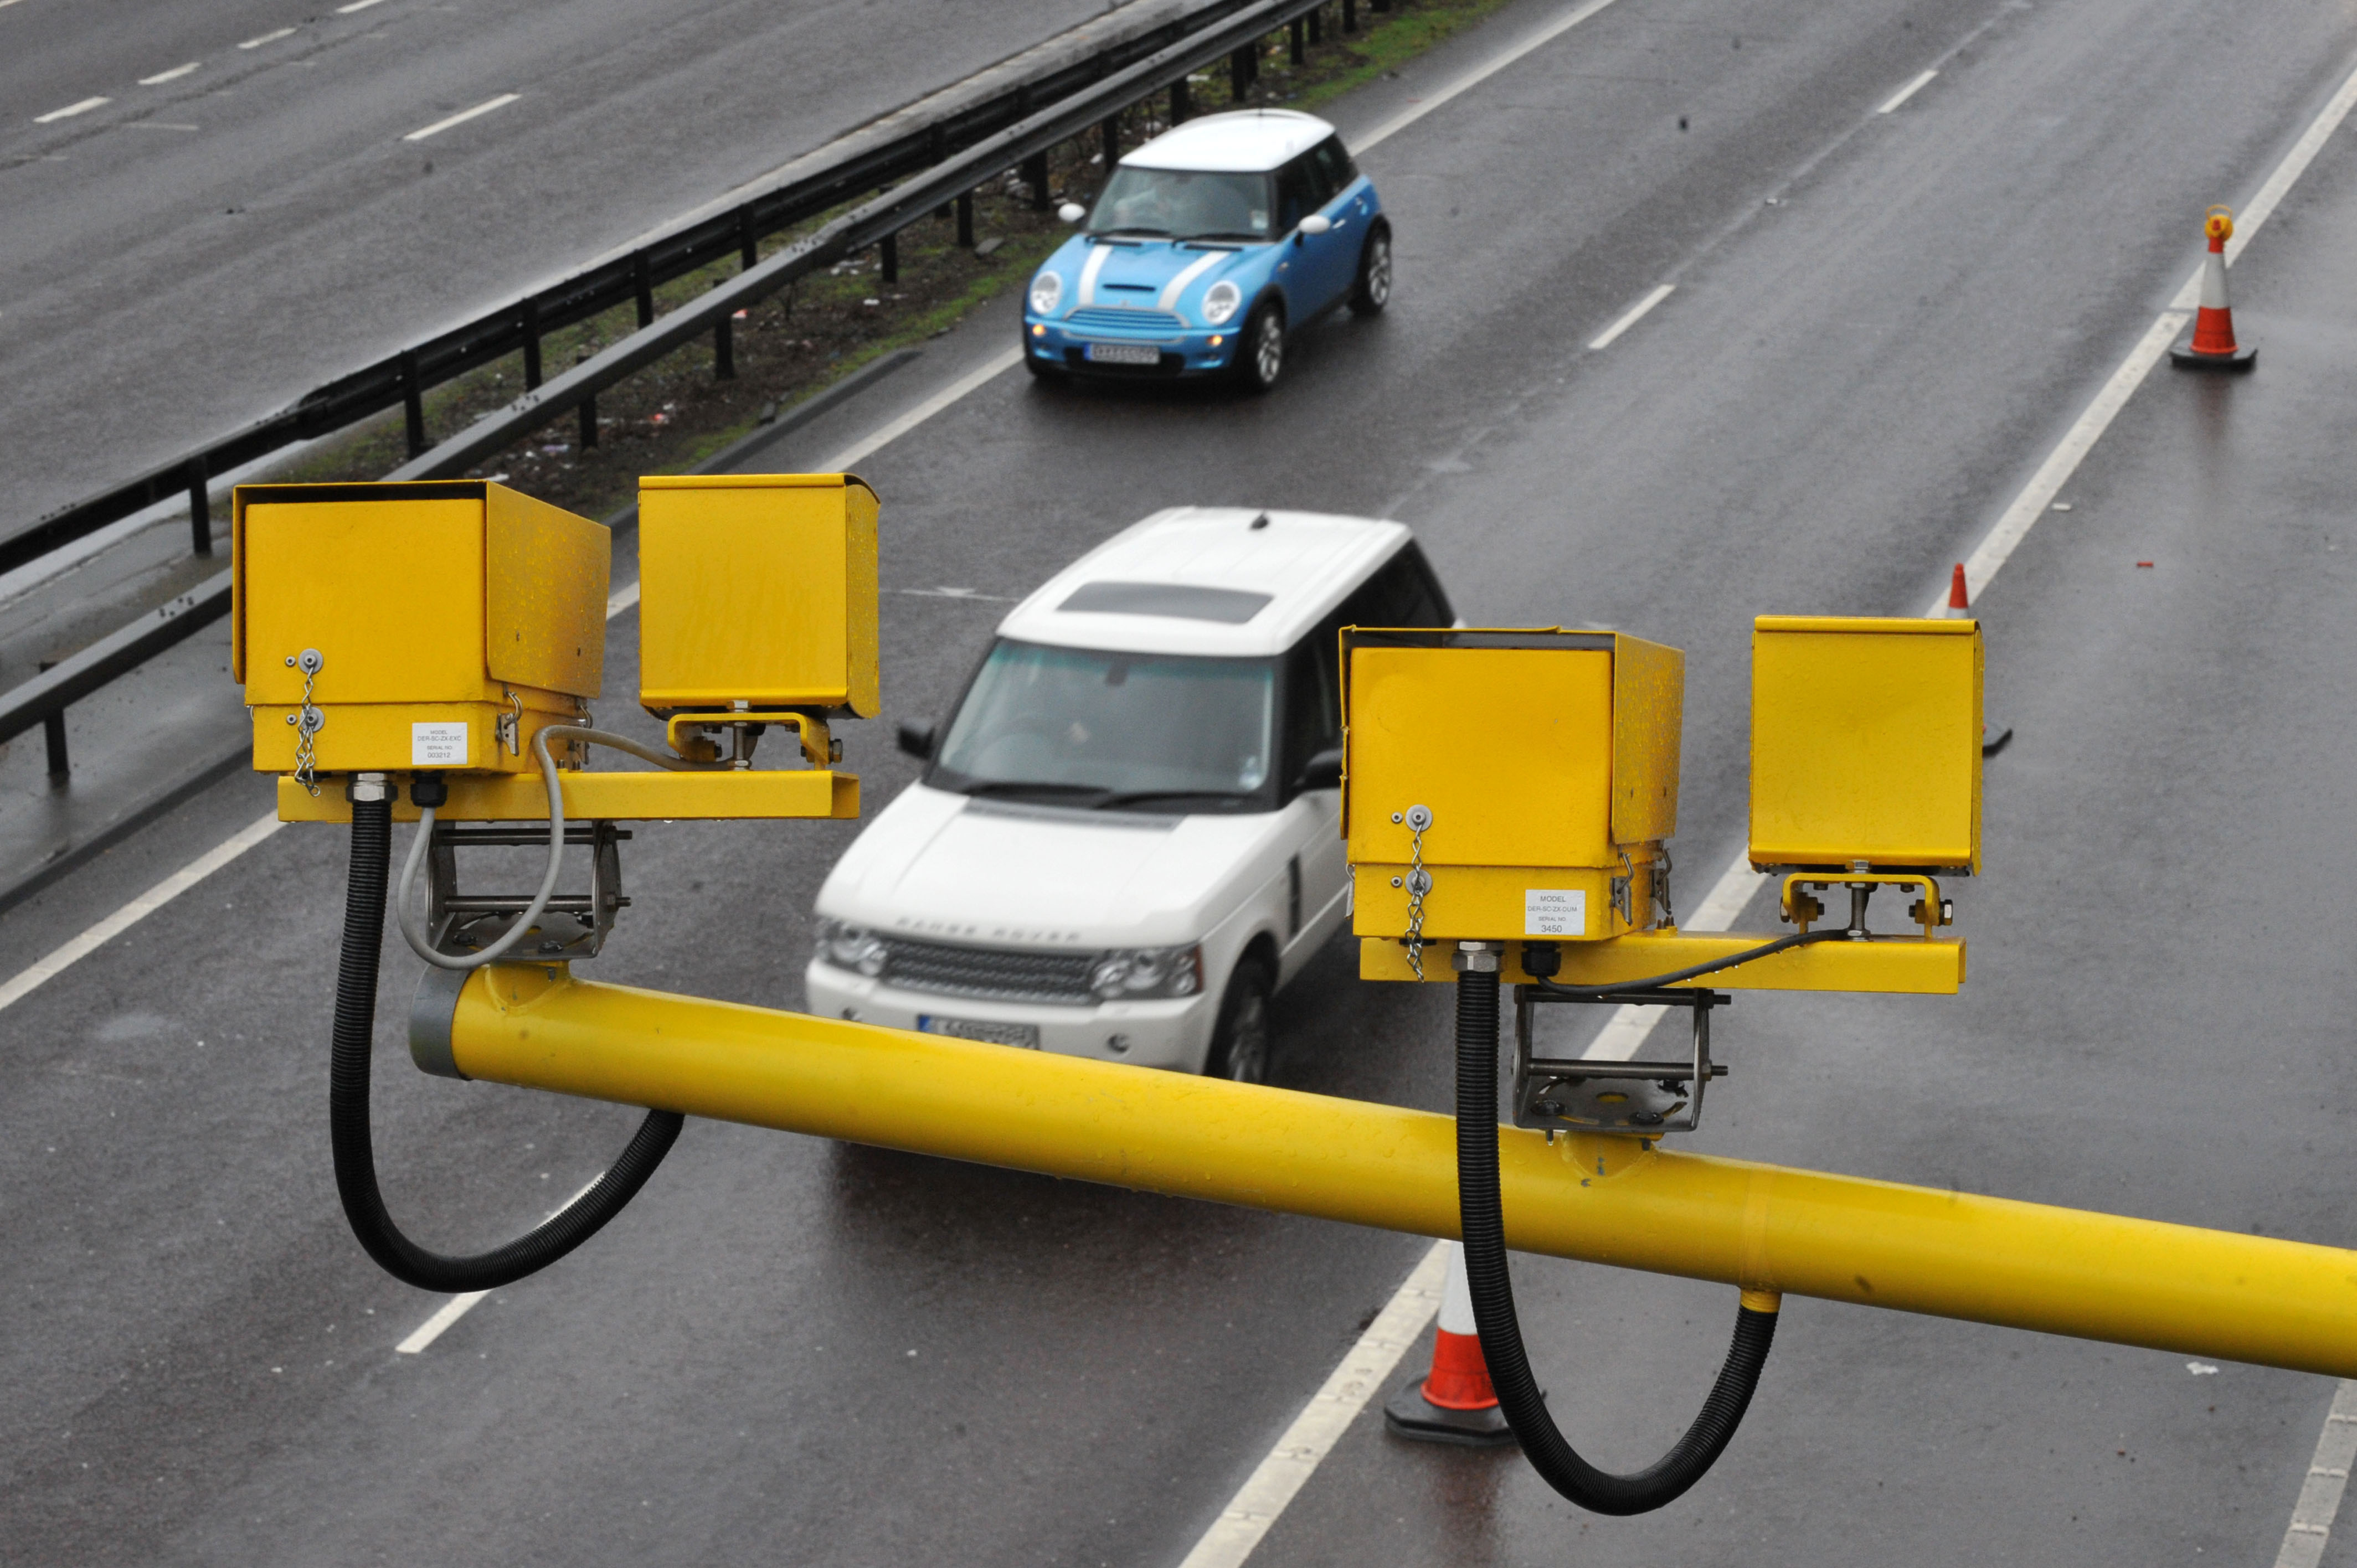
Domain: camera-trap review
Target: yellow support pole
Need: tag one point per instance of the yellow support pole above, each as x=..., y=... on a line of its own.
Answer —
x=1604, y=1200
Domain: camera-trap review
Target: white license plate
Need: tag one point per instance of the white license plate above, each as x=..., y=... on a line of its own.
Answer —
x=1125, y=354
x=1025, y=1037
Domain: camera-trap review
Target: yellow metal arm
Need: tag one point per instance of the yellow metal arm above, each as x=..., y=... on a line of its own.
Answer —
x=1905, y=965
x=607, y=797
x=1604, y=1200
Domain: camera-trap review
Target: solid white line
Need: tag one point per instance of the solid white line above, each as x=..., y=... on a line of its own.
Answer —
x=1908, y=91
x=460, y=118
x=621, y=598
x=991, y=369
x=1324, y=1419
x=1636, y=314
x=267, y=38
x=2328, y=1478
x=71, y=110
x=1480, y=73
x=138, y=910
x=174, y=74
x=426, y=1333
x=2278, y=183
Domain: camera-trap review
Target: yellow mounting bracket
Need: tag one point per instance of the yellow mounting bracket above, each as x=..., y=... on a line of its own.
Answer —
x=1930, y=910
x=695, y=736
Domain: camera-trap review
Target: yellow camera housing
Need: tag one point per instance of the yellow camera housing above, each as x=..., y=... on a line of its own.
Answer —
x=1547, y=761
x=1865, y=744
x=449, y=621
x=760, y=594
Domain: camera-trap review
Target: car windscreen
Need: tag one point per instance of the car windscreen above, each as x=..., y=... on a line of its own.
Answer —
x=1090, y=728
x=1182, y=204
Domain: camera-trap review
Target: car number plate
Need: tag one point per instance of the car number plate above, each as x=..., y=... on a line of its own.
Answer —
x=1125, y=354
x=1025, y=1037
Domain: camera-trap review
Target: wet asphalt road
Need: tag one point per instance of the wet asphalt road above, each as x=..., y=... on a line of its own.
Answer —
x=196, y=253
x=827, y=1354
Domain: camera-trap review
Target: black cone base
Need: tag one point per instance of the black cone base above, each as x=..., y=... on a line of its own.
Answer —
x=2185, y=359
x=1409, y=1414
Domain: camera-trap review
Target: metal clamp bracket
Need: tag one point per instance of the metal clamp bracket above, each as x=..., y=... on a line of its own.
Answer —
x=1582, y=1094
x=573, y=926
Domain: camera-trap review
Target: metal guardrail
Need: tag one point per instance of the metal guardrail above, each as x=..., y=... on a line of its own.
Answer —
x=942, y=162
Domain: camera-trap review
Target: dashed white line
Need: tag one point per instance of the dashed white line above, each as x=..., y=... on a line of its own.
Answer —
x=2328, y=1478
x=158, y=125
x=1363, y=1373
x=460, y=118
x=37, y=975
x=174, y=74
x=71, y=110
x=267, y=38
x=1906, y=92
x=357, y=6
x=1636, y=313
x=458, y=1306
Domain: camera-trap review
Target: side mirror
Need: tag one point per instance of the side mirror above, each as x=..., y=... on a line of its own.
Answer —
x=1316, y=223
x=917, y=740
x=1323, y=770
x=1071, y=212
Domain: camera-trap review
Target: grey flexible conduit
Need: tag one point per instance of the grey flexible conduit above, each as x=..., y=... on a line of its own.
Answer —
x=348, y=1108
x=1483, y=1217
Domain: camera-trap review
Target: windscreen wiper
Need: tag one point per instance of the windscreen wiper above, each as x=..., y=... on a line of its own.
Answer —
x=1132, y=797
x=1030, y=787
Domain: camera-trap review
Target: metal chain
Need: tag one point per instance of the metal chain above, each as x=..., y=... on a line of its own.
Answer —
x=1662, y=884
x=1419, y=883
x=307, y=721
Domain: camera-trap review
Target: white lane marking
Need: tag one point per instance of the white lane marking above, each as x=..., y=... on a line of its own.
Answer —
x=458, y=1306
x=1482, y=73
x=174, y=74
x=2277, y=184
x=450, y=1311
x=1636, y=314
x=158, y=125
x=267, y=38
x=357, y=6
x=621, y=599
x=5, y=4
x=37, y=975
x=2328, y=1478
x=71, y=110
x=990, y=368
x=460, y=118
x=1328, y=1415
x=1906, y=92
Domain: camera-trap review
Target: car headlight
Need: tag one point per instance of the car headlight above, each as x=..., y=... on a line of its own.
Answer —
x=1220, y=300
x=1140, y=972
x=850, y=947
x=1046, y=290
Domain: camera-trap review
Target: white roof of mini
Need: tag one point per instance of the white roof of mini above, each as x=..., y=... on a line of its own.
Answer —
x=1244, y=141
x=1304, y=563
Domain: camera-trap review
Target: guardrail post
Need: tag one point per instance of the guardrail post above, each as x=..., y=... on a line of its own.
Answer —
x=888, y=258
x=723, y=349
x=1296, y=41
x=528, y=322
x=748, y=239
x=1239, y=74
x=1379, y=4
x=200, y=509
x=1035, y=175
x=965, y=219
x=1111, y=130
x=1349, y=16
x=1317, y=24
x=643, y=278
x=589, y=420
x=53, y=730
x=1181, y=108
x=413, y=401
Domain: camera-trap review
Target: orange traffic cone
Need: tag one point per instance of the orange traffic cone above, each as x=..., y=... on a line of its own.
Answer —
x=1455, y=1402
x=1960, y=607
x=2211, y=347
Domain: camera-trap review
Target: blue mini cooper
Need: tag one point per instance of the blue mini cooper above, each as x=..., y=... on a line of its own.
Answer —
x=1207, y=247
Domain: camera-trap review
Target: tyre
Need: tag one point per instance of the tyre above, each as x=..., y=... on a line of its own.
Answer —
x=1239, y=1040
x=1260, y=351
x=1373, y=289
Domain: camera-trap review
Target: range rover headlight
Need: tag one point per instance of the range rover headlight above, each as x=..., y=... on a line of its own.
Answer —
x=1220, y=300
x=1138, y=973
x=1046, y=290
x=850, y=947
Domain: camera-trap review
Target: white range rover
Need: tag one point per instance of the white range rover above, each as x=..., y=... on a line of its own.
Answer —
x=1126, y=837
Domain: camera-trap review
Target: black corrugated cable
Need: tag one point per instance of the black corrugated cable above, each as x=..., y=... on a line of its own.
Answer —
x=1482, y=1219
x=348, y=1107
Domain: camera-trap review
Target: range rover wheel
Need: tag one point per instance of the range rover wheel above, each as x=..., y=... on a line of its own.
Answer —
x=1239, y=1040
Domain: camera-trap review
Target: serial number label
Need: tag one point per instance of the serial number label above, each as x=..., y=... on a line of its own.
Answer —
x=1555, y=912
x=437, y=745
